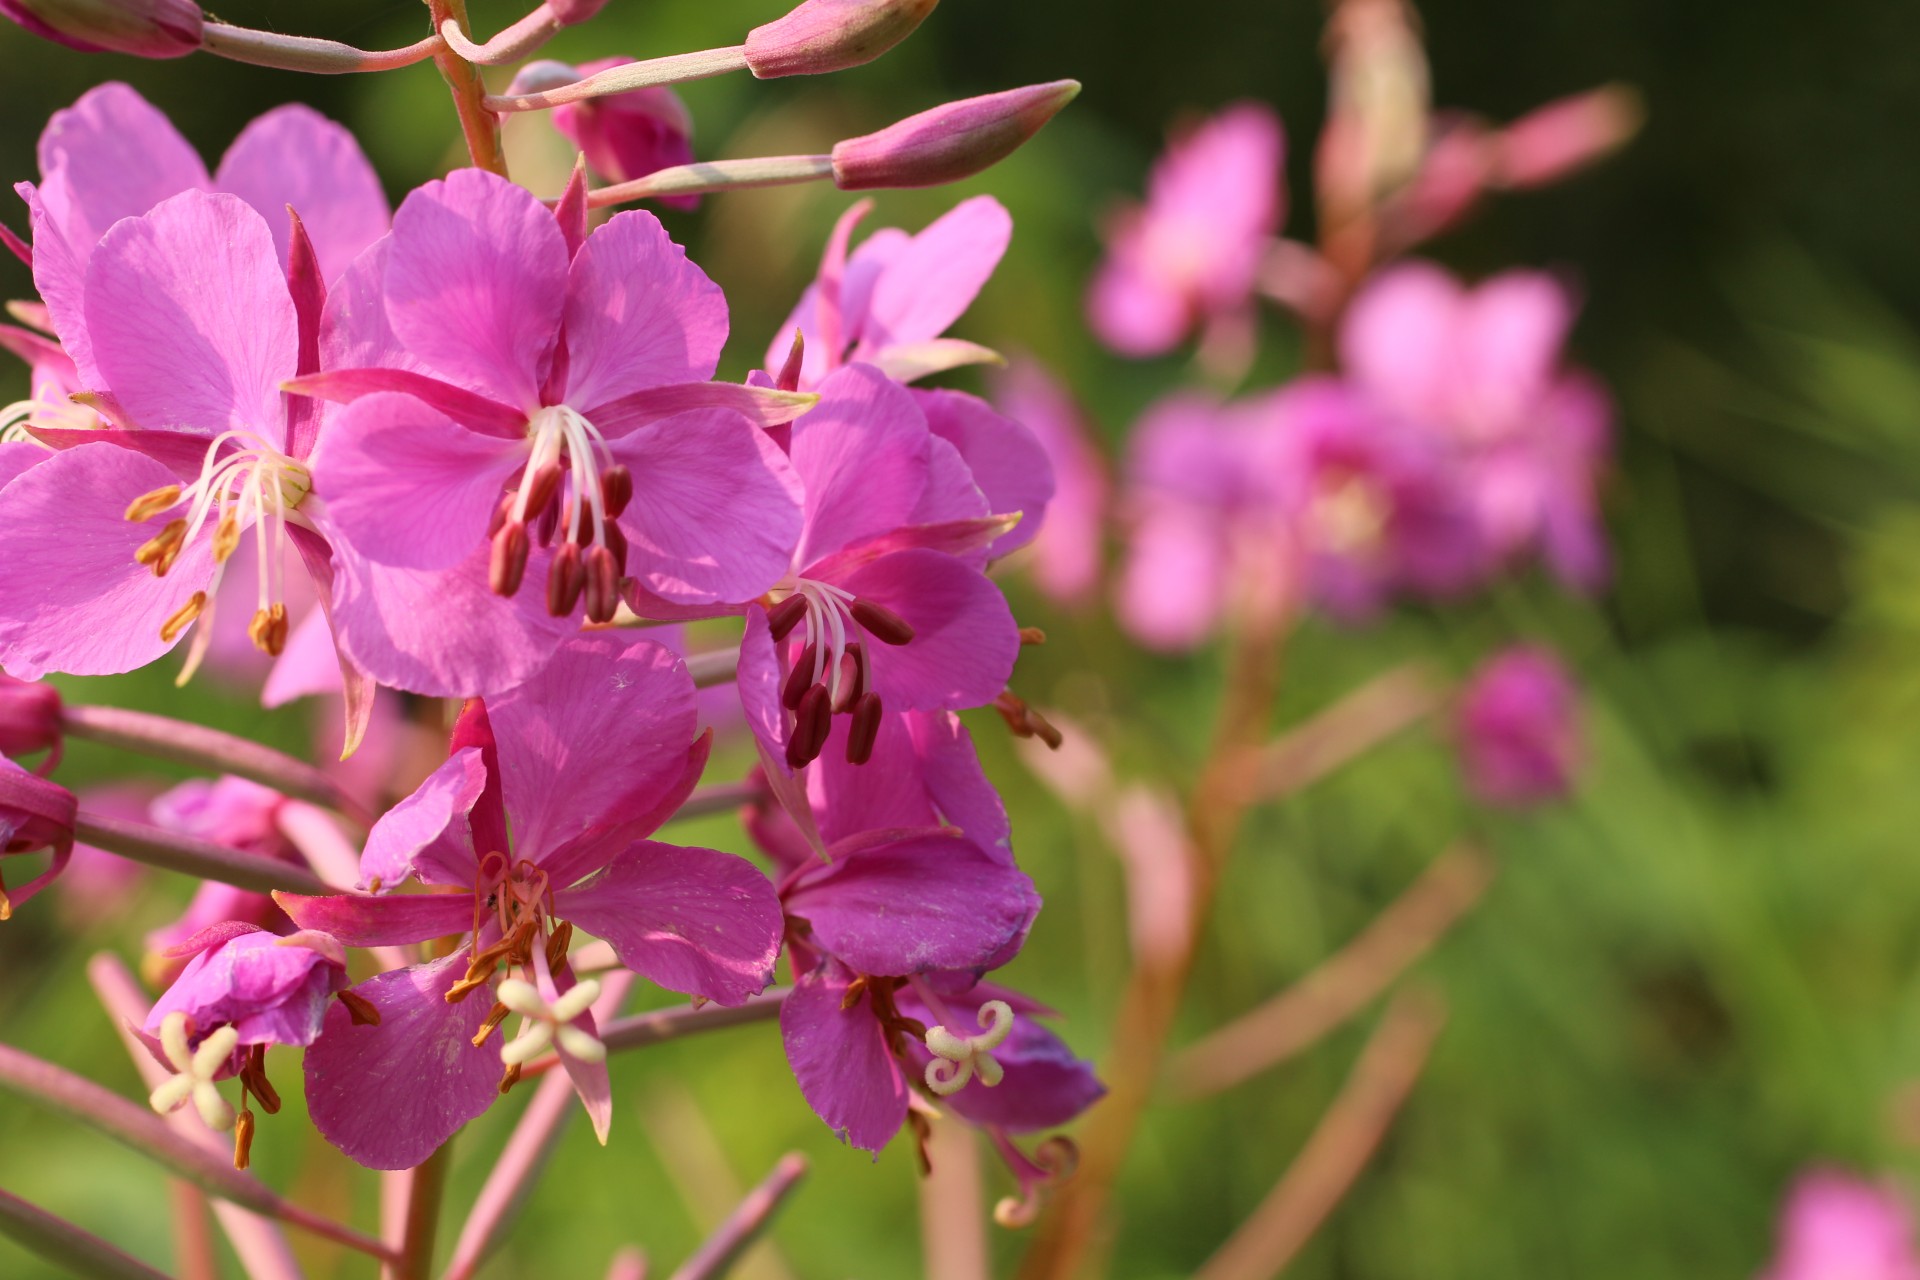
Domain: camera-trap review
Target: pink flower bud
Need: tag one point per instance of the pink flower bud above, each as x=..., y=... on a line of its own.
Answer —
x=623, y=135
x=573, y=12
x=1518, y=729
x=29, y=717
x=144, y=28
x=34, y=814
x=1562, y=137
x=950, y=142
x=822, y=36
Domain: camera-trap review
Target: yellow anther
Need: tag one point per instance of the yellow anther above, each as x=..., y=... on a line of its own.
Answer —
x=149, y=505
x=182, y=618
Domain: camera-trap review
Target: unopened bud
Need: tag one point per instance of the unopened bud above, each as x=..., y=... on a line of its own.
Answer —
x=34, y=814
x=950, y=142
x=143, y=28
x=823, y=36
x=573, y=12
x=29, y=717
x=1563, y=137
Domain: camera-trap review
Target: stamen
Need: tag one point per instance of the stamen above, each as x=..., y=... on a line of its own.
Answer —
x=812, y=723
x=800, y=679
x=160, y=551
x=148, y=505
x=495, y=1016
x=182, y=618
x=226, y=536
x=541, y=491
x=547, y=1023
x=268, y=630
x=1032, y=635
x=509, y=563
x=243, y=1140
x=603, y=585
x=616, y=490
x=880, y=622
x=362, y=1010
x=785, y=616
x=849, y=678
x=566, y=579
x=865, y=729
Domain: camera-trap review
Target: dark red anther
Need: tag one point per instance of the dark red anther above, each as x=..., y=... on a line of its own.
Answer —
x=785, y=616
x=616, y=542
x=882, y=623
x=603, y=585
x=853, y=677
x=811, y=724
x=546, y=485
x=789, y=379
x=548, y=524
x=616, y=490
x=864, y=731
x=509, y=563
x=799, y=678
x=500, y=513
x=566, y=579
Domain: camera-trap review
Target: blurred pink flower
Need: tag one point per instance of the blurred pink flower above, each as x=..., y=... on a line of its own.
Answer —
x=1518, y=729
x=1067, y=553
x=1192, y=252
x=1839, y=1227
x=623, y=135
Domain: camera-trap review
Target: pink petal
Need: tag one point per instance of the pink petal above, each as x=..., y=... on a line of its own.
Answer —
x=1509, y=349
x=409, y=487
x=116, y=157
x=60, y=277
x=472, y=411
x=72, y=598
x=639, y=314
x=715, y=510
x=16, y=456
x=951, y=502
x=592, y=739
x=1006, y=459
x=295, y=156
x=929, y=284
x=1131, y=310
x=309, y=665
x=691, y=920
x=762, y=406
x=1173, y=586
x=862, y=456
x=190, y=319
x=1399, y=338
x=389, y=920
x=964, y=642
x=840, y=1058
x=476, y=280
x=1068, y=552
x=389, y=1095
x=429, y=834
x=758, y=679
x=354, y=333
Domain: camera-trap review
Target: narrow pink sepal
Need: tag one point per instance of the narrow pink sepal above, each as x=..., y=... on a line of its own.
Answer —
x=763, y=406
x=309, y=289
x=470, y=409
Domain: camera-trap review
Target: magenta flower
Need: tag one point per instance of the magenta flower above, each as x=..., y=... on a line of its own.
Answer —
x=592, y=754
x=35, y=815
x=1519, y=730
x=119, y=543
x=1482, y=369
x=270, y=989
x=52, y=381
x=1042, y=1085
x=541, y=433
x=237, y=814
x=112, y=155
x=1191, y=254
x=624, y=135
x=885, y=606
x=1836, y=1226
x=1068, y=553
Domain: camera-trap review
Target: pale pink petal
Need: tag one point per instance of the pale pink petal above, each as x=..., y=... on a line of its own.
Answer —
x=117, y=157
x=692, y=920
x=295, y=156
x=952, y=502
x=1173, y=585
x=60, y=276
x=309, y=665
x=861, y=453
x=927, y=285
x=1068, y=551
x=639, y=314
x=1399, y=338
x=476, y=280
x=1132, y=311
x=1512, y=331
x=190, y=319
x=16, y=456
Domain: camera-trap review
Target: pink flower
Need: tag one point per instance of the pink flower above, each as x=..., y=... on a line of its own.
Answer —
x=625, y=135
x=1518, y=729
x=885, y=605
x=1482, y=369
x=237, y=814
x=591, y=755
x=1190, y=255
x=1069, y=549
x=29, y=718
x=1839, y=1227
x=531, y=401
x=269, y=989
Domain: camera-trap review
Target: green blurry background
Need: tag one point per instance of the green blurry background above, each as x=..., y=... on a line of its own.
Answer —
x=1687, y=984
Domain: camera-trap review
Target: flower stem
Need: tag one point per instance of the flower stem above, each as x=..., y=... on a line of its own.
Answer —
x=66, y=1246
x=195, y=857
x=707, y=176
x=677, y=69
x=744, y=1225
x=423, y=1215
x=303, y=53
x=642, y=1029
x=478, y=124
x=165, y=738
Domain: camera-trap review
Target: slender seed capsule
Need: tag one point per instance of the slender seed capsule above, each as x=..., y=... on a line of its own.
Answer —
x=566, y=579
x=882, y=623
x=603, y=585
x=616, y=490
x=800, y=678
x=811, y=724
x=864, y=731
x=785, y=616
x=509, y=562
x=546, y=484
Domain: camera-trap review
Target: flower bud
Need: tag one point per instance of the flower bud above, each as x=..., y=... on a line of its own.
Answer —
x=1518, y=730
x=570, y=13
x=34, y=814
x=29, y=717
x=823, y=36
x=144, y=28
x=1556, y=140
x=950, y=142
x=623, y=135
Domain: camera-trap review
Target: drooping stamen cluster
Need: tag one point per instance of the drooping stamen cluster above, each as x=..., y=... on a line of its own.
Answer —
x=832, y=675
x=251, y=484
x=570, y=455
x=519, y=896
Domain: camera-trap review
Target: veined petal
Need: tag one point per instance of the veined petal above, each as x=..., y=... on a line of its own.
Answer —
x=931, y=282
x=295, y=156
x=117, y=156
x=1007, y=460
x=430, y=833
x=639, y=314
x=862, y=457
x=60, y=275
x=964, y=637
x=386, y=920
x=840, y=1058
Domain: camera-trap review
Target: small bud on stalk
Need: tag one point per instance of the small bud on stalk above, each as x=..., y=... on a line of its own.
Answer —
x=143, y=28
x=950, y=142
x=29, y=717
x=823, y=36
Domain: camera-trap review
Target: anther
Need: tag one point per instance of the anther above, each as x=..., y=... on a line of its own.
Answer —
x=603, y=585
x=495, y=1016
x=1032, y=635
x=509, y=563
x=182, y=618
x=547, y=525
x=243, y=1140
x=616, y=490
x=616, y=542
x=163, y=548
x=800, y=679
x=852, y=680
x=811, y=725
x=566, y=578
x=958, y=1059
x=268, y=630
x=255, y=1076
x=865, y=729
x=149, y=505
x=226, y=536
x=362, y=1010
x=501, y=510
x=1024, y=721
x=785, y=616
x=880, y=622
x=540, y=494
x=509, y=1078
x=557, y=945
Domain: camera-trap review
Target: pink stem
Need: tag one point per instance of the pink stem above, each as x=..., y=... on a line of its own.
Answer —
x=510, y=45
x=193, y=1252
x=746, y=1222
x=707, y=176
x=715, y=666
x=628, y=1264
x=303, y=53
x=80, y=1252
x=953, y=1216
x=643, y=1029
x=677, y=69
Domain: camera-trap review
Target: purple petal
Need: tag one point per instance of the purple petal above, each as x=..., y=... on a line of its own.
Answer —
x=840, y=1058
x=389, y=1095
x=691, y=920
x=761, y=405
x=476, y=280
x=930, y=282
x=1045, y=1085
x=927, y=900
x=408, y=486
x=964, y=638
x=1006, y=459
x=862, y=455
x=924, y=773
x=593, y=739
x=60, y=276
x=385, y=920
x=295, y=156
x=430, y=833
x=72, y=598
x=1398, y=337
x=190, y=319
x=639, y=314
x=715, y=509
x=116, y=157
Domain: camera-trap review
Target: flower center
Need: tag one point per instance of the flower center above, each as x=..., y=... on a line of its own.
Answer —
x=832, y=675
x=1349, y=515
x=571, y=486
x=245, y=482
